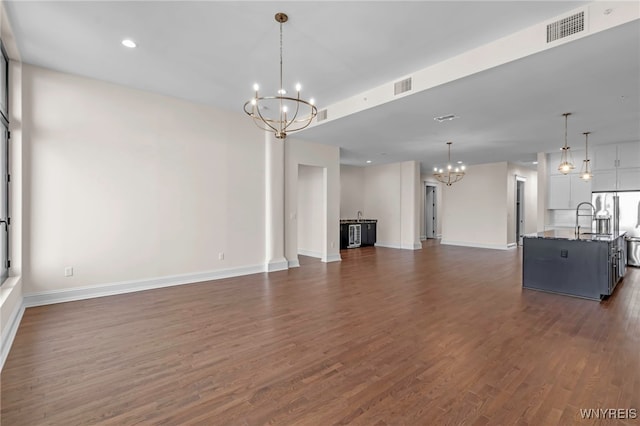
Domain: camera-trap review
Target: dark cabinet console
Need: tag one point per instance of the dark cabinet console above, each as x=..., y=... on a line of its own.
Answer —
x=357, y=233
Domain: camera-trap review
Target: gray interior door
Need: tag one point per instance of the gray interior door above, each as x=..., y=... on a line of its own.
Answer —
x=430, y=212
x=519, y=211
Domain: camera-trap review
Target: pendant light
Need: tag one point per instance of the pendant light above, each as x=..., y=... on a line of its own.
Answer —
x=450, y=174
x=585, y=171
x=566, y=161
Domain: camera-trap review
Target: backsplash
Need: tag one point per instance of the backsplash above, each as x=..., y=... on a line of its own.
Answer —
x=567, y=218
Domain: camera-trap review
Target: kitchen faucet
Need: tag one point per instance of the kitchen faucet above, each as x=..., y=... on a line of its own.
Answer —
x=359, y=214
x=592, y=215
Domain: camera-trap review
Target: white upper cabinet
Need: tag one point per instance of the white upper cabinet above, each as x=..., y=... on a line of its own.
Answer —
x=616, y=167
x=580, y=191
x=604, y=180
x=554, y=162
x=604, y=157
x=629, y=155
x=629, y=179
x=567, y=191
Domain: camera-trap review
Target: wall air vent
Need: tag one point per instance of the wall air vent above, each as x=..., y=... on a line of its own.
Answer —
x=402, y=86
x=322, y=115
x=565, y=27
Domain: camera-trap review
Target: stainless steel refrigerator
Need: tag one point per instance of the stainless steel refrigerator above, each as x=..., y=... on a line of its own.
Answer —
x=624, y=210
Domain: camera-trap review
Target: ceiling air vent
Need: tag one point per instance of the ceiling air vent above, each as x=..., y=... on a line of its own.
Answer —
x=402, y=86
x=446, y=118
x=322, y=115
x=565, y=27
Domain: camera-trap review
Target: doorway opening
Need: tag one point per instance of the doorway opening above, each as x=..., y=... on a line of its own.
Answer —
x=311, y=216
x=519, y=208
x=430, y=228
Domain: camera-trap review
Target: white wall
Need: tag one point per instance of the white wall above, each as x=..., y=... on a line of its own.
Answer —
x=352, y=191
x=311, y=213
x=543, y=182
x=474, y=209
x=298, y=152
x=382, y=201
x=129, y=185
x=391, y=195
x=530, y=200
x=410, y=205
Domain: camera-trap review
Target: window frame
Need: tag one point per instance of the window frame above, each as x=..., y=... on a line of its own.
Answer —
x=5, y=113
x=5, y=166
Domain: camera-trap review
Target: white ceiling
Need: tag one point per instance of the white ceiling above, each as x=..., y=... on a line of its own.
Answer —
x=213, y=52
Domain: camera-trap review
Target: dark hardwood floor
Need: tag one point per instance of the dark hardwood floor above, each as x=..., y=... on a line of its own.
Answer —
x=439, y=336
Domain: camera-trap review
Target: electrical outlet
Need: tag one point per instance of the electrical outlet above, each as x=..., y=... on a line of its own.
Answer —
x=221, y=255
x=68, y=271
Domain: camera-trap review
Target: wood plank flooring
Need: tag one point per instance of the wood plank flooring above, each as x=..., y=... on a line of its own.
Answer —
x=439, y=336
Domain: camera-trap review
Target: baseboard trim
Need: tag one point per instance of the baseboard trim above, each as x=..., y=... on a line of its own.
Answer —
x=294, y=263
x=90, y=292
x=310, y=253
x=332, y=258
x=388, y=245
x=10, y=331
x=279, y=265
x=512, y=245
x=414, y=246
x=475, y=245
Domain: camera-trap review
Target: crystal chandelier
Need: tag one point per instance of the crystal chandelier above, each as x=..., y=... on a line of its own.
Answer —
x=585, y=171
x=280, y=114
x=450, y=174
x=566, y=160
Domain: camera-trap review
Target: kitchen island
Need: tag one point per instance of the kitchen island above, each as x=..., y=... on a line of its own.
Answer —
x=586, y=265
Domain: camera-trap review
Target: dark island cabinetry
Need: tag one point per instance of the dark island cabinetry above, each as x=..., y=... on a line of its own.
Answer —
x=584, y=265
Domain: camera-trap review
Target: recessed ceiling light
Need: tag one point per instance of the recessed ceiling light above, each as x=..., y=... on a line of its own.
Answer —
x=459, y=162
x=368, y=161
x=129, y=43
x=535, y=162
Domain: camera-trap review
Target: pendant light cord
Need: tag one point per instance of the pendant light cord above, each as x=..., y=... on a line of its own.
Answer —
x=566, y=117
x=586, y=146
